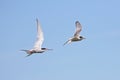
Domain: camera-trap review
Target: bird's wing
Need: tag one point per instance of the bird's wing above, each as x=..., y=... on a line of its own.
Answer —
x=78, y=29
x=40, y=37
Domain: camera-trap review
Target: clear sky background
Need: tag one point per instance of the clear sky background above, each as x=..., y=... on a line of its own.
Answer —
x=95, y=58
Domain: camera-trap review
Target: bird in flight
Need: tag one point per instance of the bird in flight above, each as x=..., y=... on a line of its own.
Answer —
x=37, y=46
x=77, y=36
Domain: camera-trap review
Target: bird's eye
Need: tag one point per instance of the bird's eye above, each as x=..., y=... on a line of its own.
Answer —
x=81, y=37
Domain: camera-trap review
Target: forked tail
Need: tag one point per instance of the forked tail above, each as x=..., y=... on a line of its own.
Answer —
x=28, y=52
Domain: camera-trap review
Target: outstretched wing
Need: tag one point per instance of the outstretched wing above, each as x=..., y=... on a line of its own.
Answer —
x=78, y=29
x=40, y=37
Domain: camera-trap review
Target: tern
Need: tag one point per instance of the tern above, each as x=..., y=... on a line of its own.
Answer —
x=37, y=46
x=77, y=36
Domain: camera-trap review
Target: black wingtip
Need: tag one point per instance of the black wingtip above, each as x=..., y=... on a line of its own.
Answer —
x=77, y=22
x=28, y=55
x=37, y=19
x=66, y=42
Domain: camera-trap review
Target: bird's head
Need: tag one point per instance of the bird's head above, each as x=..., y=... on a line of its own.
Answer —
x=46, y=49
x=81, y=37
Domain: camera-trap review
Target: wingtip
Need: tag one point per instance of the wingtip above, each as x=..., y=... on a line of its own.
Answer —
x=28, y=55
x=64, y=43
x=22, y=50
x=77, y=22
x=67, y=42
x=37, y=19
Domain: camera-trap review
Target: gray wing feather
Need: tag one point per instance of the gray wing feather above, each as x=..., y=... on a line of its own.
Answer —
x=78, y=28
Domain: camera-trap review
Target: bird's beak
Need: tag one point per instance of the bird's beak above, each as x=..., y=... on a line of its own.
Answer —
x=49, y=49
x=84, y=38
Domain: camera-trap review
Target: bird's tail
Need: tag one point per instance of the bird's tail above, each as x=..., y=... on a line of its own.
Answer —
x=28, y=52
x=67, y=42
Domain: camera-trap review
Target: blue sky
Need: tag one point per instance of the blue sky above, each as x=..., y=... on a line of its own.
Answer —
x=95, y=58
